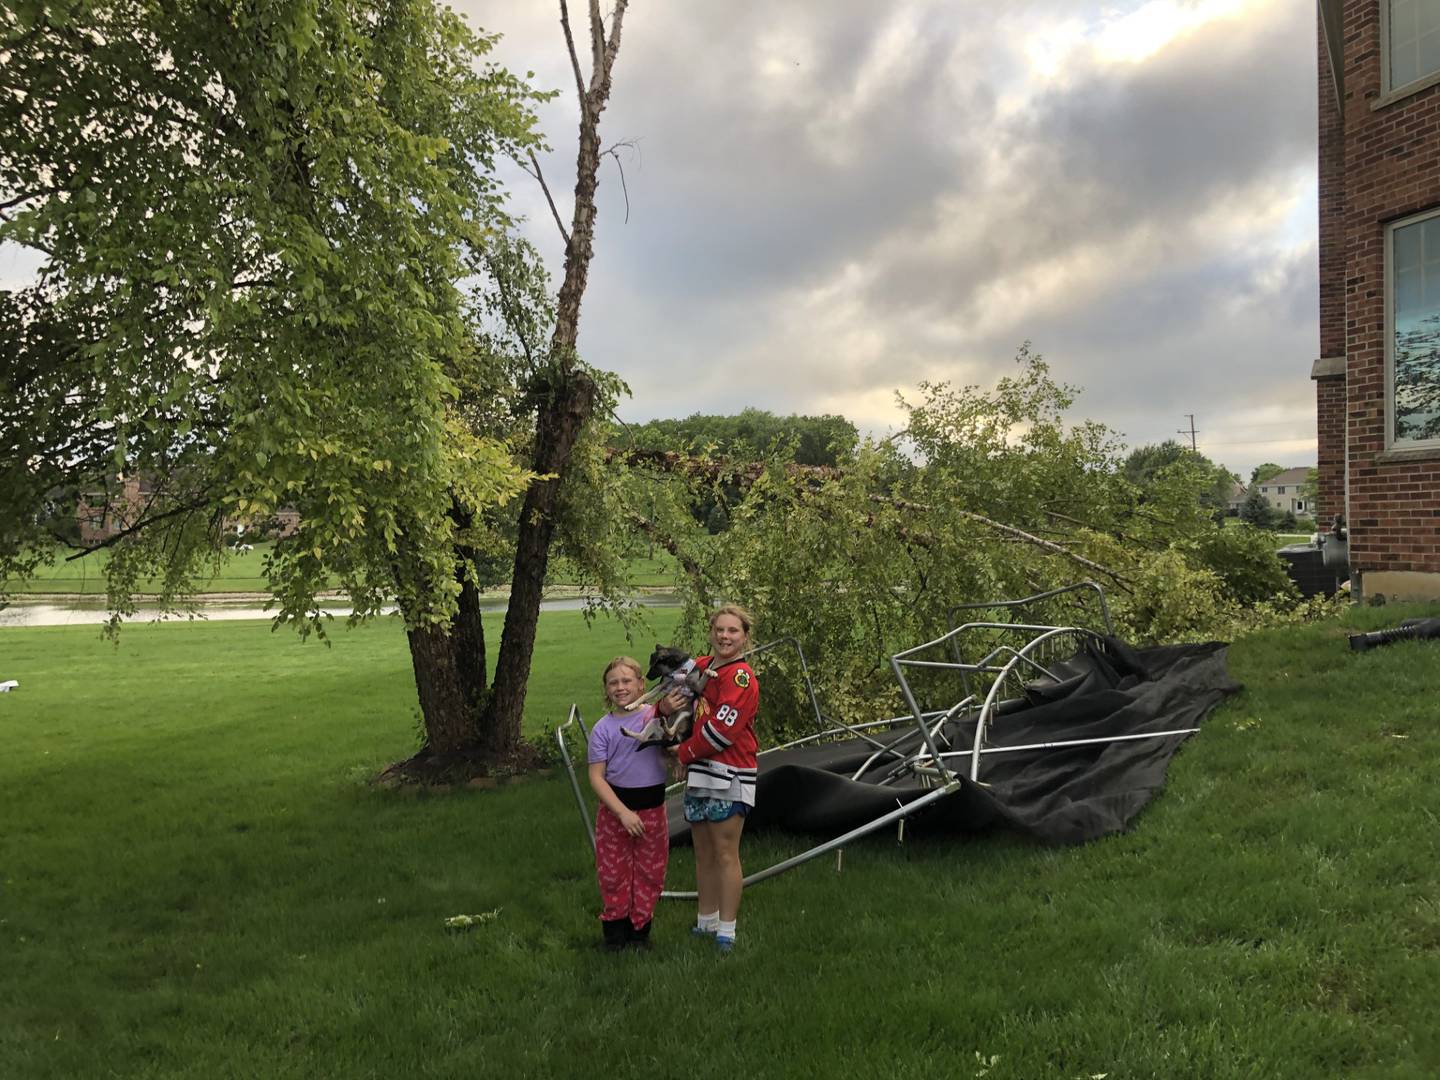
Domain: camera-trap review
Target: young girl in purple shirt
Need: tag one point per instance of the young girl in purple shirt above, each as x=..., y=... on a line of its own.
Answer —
x=632, y=837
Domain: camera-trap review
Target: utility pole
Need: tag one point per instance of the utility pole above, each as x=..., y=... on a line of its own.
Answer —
x=1189, y=431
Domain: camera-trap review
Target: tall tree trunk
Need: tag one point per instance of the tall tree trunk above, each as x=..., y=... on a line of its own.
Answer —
x=565, y=409
x=449, y=664
x=560, y=428
x=449, y=725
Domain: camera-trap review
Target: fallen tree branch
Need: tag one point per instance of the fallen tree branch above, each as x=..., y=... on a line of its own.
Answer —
x=1017, y=534
x=1047, y=545
x=1126, y=537
x=744, y=472
x=814, y=476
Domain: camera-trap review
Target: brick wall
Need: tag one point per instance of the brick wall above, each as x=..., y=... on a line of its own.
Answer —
x=108, y=515
x=1332, y=211
x=1330, y=464
x=1392, y=170
x=1330, y=389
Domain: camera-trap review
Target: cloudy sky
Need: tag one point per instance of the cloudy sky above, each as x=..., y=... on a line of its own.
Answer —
x=833, y=201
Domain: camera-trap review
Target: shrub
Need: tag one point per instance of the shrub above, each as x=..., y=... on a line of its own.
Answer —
x=1244, y=560
x=1172, y=601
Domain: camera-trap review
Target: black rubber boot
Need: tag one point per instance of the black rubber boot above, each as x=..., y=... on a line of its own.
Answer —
x=639, y=937
x=617, y=933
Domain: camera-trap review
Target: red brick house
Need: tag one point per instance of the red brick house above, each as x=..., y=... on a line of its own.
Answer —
x=101, y=515
x=1378, y=376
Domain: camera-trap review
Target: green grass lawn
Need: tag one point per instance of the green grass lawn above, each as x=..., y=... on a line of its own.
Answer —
x=243, y=572
x=195, y=880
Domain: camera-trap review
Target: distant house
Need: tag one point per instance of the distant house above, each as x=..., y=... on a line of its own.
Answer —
x=102, y=514
x=1283, y=491
x=1377, y=380
x=1236, y=499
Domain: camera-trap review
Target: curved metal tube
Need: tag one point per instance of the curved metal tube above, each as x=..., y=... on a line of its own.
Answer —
x=943, y=719
x=1007, y=604
x=987, y=710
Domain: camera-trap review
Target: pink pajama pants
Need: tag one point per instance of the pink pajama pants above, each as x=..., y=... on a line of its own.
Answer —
x=631, y=869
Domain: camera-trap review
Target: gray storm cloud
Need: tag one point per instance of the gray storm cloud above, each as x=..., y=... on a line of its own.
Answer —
x=832, y=202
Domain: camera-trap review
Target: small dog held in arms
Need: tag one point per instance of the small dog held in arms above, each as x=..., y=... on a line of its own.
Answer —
x=676, y=671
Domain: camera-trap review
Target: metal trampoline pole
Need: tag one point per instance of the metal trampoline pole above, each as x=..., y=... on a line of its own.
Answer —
x=895, y=663
x=574, y=718
x=1075, y=742
x=830, y=845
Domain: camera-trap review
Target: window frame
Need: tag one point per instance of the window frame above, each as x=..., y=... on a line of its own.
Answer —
x=1390, y=228
x=1389, y=93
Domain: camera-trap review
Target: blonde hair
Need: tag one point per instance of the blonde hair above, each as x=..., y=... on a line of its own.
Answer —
x=746, y=619
x=621, y=661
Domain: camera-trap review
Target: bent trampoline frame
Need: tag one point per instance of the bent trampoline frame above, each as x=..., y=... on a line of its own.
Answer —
x=1006, y=667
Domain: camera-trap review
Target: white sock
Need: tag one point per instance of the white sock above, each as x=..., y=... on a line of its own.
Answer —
x=708, y=922
x=724, y=929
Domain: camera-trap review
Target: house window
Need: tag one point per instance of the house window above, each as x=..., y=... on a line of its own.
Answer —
x=1413, y=37
x=1280, y=490
x=1412, y=339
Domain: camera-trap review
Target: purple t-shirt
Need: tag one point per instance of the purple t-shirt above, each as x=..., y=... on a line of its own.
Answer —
x=627, y=764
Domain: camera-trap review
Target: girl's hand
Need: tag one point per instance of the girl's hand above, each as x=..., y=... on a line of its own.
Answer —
x=671, y=703
x=632, y=823
x=672, y=759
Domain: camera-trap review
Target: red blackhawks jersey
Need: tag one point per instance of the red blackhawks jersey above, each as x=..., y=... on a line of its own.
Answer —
x=720, y=754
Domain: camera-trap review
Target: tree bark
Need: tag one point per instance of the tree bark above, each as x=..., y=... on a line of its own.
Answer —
x=449, y=725
x=560, y=427
x=449, y=664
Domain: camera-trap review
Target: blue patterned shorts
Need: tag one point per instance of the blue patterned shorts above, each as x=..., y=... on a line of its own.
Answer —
x=704, y=808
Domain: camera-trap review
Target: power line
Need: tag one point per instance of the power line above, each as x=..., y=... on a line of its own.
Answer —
x=1251, y=427
x=1263, y=442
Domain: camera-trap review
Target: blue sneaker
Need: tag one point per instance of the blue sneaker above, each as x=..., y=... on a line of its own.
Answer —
x=724, y=944
x=701, y=932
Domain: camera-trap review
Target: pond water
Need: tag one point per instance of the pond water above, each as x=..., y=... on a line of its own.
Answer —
x=88, y=611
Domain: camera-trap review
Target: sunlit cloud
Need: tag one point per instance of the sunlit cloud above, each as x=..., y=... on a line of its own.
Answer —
x=1138, y=35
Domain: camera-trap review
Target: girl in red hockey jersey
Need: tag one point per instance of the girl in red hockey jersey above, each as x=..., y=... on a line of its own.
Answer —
x=720, y=771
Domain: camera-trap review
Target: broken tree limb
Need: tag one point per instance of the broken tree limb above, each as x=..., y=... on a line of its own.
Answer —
x=1120, y=581
x=814, y=476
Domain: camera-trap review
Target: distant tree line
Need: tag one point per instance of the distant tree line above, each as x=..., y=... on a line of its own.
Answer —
x=1146, y=466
